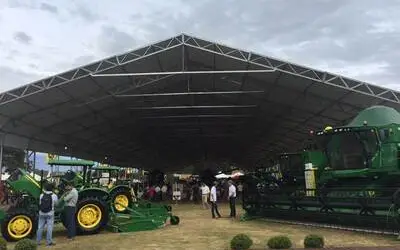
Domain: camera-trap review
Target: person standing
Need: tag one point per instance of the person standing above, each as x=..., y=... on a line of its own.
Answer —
x=164, y=190
x=213, y=200
x=240, y=191
x=205, y=193
x=196, y=193
x=158, y=192
x=47, y=202
x=232, y=198
x=5, y=196
x=71, y=199
x=133, y=193
x=151, y=193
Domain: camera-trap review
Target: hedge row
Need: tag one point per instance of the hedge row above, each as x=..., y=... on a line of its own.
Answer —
x=25, y=244
x=244, y=242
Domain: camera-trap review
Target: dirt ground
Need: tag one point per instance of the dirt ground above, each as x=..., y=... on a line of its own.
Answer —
x=198, y=231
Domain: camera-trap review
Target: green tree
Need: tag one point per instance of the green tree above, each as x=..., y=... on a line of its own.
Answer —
x=13, y=158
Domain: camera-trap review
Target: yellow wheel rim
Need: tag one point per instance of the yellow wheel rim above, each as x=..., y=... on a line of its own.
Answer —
x=20, y=226
x=121, y=202
x=89, y=216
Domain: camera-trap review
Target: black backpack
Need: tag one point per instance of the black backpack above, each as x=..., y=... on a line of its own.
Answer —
x=46, y=203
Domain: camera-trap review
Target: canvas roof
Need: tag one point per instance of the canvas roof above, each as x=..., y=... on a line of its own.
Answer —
x=161, y=115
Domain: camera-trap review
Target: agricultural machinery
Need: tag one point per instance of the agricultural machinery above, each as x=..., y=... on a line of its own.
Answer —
x=350, y=177
x=96, y=209
x=120, y=194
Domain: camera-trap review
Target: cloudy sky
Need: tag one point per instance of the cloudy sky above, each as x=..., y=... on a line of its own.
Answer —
x=357, y=38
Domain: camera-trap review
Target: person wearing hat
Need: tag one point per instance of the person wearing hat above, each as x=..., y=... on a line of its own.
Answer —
x=70, y=199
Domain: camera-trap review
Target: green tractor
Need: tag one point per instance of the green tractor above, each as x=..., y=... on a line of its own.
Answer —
x=120, y=194
x=350, y=178
x=20, y=220
x=95, y=209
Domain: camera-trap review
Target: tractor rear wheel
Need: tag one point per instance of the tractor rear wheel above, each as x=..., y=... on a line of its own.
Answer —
x=121, y=198
x=91, y=215
x=18, y=224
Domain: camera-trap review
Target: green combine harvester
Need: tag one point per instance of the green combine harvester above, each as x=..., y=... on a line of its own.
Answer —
x=350, y=176
x=96, y=209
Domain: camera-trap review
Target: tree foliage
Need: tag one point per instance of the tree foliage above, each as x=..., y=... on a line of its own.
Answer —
x=13, y=158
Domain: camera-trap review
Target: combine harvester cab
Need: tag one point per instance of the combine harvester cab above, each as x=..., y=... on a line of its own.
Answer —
x=351, y=180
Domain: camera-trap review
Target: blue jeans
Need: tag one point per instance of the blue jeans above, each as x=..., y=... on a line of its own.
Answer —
x=49, y=221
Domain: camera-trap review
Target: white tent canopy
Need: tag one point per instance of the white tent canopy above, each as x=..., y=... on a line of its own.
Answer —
x=222, y=176
x=237, y=174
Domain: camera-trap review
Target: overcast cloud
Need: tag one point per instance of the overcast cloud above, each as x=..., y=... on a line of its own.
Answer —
x=357, y=38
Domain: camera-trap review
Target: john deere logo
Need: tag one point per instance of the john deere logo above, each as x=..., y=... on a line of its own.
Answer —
x=51, y=157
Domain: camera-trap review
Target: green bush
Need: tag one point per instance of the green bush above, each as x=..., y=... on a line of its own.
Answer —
x=279, y=242
x=314, y=241
x=25, y=244
x=3, y=244
x=241, y=242
x=174, y=220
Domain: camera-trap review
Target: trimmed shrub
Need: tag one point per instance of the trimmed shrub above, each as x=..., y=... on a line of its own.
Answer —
x=25, y=244
x=279, y=242
x=3, y=244
x=241, y=242
x=314, y=241
x=174, y=220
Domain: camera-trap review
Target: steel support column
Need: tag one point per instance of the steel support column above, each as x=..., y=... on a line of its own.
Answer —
x=1, y=153
x=34, y=161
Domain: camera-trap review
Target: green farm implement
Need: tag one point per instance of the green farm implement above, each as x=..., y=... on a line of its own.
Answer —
x=141, y=216
x=350, y=177
x=95, y=210
x=120, y=194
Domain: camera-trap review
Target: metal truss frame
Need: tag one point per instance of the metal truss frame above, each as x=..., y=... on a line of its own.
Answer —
x=294, y=69
x=268, y=64
x=212, y=47
x=88, y=70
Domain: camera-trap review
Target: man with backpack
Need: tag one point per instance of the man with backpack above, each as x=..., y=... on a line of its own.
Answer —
x=47, y=201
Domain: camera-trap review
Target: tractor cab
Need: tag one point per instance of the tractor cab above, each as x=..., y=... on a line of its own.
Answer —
x=292, y=168
x=77, y=178
x=106, y=176
x=96, y=208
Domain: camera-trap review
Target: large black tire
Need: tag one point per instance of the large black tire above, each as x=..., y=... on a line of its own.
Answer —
x=92, y=206
x=124, y=192
x=26, y=226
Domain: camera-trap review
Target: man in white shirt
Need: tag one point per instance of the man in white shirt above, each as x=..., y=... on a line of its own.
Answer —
x=70, y=199
x=213, y=200
x=205, y=192
x=158, y=193
x=232, y=199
